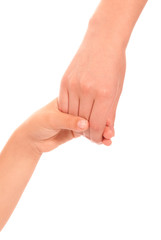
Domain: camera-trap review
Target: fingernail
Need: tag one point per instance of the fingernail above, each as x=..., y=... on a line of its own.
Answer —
x=82, y=124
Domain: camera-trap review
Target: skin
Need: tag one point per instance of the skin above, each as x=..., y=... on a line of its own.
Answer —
x=92, y=84
x=90, y=89
x=45, y=130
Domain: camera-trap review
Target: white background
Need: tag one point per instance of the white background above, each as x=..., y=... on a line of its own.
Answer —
x=82, y=190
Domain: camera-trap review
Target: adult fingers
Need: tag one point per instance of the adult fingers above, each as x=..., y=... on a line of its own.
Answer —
x=98, y=118
x=73, y=97
x=63, y=99
x=109, y=129
x=108, y=132
x=107, y=142
x=73, y=106
x=112, y=113
x=85, y=109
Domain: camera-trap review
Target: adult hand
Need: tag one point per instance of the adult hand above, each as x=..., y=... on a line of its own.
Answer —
x=92, y=84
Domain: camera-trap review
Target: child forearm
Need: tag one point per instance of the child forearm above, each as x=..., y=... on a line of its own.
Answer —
x=43, y=131
x=18, y=160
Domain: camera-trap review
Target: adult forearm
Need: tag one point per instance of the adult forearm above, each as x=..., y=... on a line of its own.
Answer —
x=18, y=160
x=114, y=20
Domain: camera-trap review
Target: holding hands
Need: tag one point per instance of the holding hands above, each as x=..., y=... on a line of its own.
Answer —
x=92, y=84
x=43, y=131
x=89, y=93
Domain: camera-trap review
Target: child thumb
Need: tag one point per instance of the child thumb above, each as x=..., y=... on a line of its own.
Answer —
x=70, y=122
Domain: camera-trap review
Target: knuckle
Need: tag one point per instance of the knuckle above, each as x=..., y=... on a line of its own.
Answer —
x=72, y=84
x=104, y=92
x=85, y=87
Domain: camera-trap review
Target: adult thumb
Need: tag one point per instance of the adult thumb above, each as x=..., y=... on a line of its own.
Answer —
x=70, y=122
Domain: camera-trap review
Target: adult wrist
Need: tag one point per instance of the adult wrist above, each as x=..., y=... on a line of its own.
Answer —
x=111, y=36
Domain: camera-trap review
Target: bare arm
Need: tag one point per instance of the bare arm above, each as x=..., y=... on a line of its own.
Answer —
x=117, y=19
x=17, y=163
x=45, y=130
x=92, y=84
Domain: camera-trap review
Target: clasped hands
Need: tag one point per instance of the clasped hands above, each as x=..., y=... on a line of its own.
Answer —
x=89, y=91
x=92, y=84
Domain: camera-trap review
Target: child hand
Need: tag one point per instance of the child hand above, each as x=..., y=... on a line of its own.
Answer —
x=47, y=128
